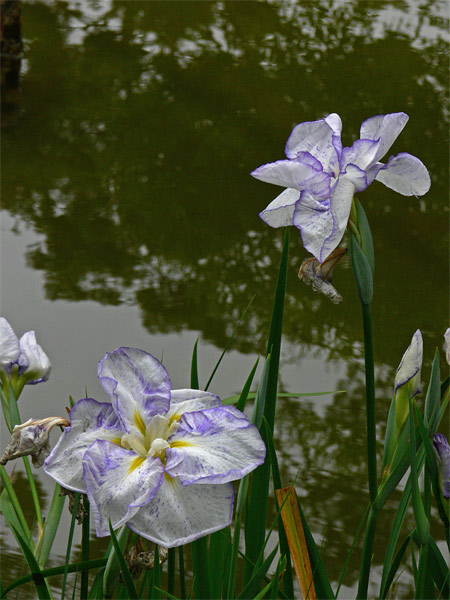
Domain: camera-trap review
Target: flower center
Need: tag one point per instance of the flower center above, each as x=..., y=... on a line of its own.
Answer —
x=154, y=441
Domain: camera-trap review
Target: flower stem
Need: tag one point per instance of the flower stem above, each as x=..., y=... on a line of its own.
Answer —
x=85, y=548
x=370, y=401
x=34, y=494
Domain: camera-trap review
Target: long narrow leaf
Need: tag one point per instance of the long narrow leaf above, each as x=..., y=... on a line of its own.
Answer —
x=393, y=568
x=200, y=568
x=255, y=582
x=296, y=539
x=194, y=368
x=69, y=542
x=231, y=338
x=128, y=581
x=112, y=568
x=51, y=525
x=244, y=395
x=433, y=397
x=39, y=581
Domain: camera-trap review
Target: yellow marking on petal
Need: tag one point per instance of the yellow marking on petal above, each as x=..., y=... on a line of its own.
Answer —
x=175, y=417
x=135, y=463
x=180, y=444
x=138, y=421
x=169, y=479
x=117, y=441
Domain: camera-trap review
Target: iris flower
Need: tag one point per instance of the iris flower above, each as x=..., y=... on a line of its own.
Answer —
x=160, y=460
x=442, y=449
x=31, y=361
x=321, y=177
x=407, y=377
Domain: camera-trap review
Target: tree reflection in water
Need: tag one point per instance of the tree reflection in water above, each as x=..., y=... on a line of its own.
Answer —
x=130, y=152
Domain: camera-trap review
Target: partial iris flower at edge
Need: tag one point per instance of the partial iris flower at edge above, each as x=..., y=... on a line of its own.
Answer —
x=442, y=449
x=447, y=345
x=407, y=378
x=160, y=460
x=321, y=177
x=23, y=359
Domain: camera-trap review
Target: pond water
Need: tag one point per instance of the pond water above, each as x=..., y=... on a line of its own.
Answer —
x=130, y=219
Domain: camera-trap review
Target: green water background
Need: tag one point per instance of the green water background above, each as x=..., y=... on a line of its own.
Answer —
x=129, y=216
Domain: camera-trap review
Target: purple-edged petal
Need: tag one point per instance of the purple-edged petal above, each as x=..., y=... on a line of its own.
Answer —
x=89, y=421
x=319, y=138
x=442, y=449
x=217, y=445
x=186, y=400
x=34, y=364
x=138, y=384
x=405, y=174
x=178, y=514
x=9, y=345
x=340, y=205
x=386, y=128
x=292, y=174
x=410, y=365
x=118, y=483
x=447, y=345
x=357, y=176
x=315, y=221
x=361, y=154
x=280, y=212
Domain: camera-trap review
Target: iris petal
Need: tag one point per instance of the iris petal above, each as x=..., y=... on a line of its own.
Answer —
x=118, y=483
x=138, y=384
x=405, y=174
x=89, y=421
x=9, y=345
x=292, y=174
x=385, y=128
x=411, y=363
x=280, y=212
x=217, y=445
x=178, y=514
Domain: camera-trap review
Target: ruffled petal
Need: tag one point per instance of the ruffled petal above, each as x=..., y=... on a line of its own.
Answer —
x=182, y=401
x=315, y=221
x=178, y=514
x=118, y=483
x=33, y=362
x=89, y=421
x=279, y=212
x=319, y=138
x=341, y=203
x=405, y=174
x=357, y=176
x=9, y=345
x=138, y=384
x=442, y=449
x=292, y=174
x=361, y=154
x=411, y=365
x=386, y=128
x=217, y=445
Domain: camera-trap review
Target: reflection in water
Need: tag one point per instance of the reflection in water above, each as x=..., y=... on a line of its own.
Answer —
x=130, y=150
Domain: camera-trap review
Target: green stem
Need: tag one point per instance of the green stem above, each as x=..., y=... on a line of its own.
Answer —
x=34, y=494
x=85, y=548
x=14, y=501
x=367, y=551
x=370, y=402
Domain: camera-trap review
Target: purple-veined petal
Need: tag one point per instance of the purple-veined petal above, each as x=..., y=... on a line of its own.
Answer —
x=89, y=421
x=315, y=221
x=340, y=205
x=308, y=159
x=180, y=514
x=33, y=362
x=216, y=445
x=186, y=400
x=410, y=365
x=279, y=212
x=291, y=174
x=442, y=449
x=357, y=176
x=447, y=345
x=118, y=483
x=386, y=128
x=319, y=138
x=361, y=154
x=138, y=385
x=9, y=345
x=405, y=174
